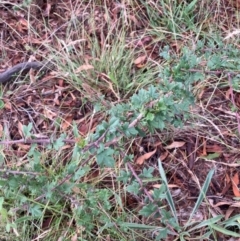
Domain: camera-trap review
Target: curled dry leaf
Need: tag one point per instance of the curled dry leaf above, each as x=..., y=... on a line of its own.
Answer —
x=22, y=25
x=140, y=59
x=163, y=155
x=32, y=76
x=228, y=93
x=56, y=100
x=7, y=105
x=20, y=128
x=227, y=178
x=47, y=10
x=23, y=146
x=169, y=185
x=214, y=148
x=84, y=67
x=204, y=151
x=66, y=123
x=83, y=129
x=144, y=157
x=235, y=182
x=219, y=204
x=230, y=35
x=229, y=212
x=175, y=144
x=159, y=143
x=49, y=114
x=74, y=237
x=29, y=99
x=61, y=82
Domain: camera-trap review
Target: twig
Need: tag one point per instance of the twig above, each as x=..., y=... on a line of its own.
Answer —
x=19, y=172
x=33, y=141
x=95, y=143
x=139, y=181
x=212, y=71
x=25, y=66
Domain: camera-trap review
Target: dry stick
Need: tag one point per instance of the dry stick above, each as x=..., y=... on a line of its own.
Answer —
x=212, y=71
x=25, y=66
x=140, y=181
x=33, y=141
x=19, y=172
x=48, y=141
x=95, y=143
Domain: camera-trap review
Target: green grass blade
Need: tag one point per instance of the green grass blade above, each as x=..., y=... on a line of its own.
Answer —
x=203, y=237
x=168, y=194
x=191, y=6
x=206, y=223
x=232, y=219
x=202, y=194
x=224, y=231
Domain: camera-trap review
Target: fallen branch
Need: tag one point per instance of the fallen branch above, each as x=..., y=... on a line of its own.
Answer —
x=22, y=67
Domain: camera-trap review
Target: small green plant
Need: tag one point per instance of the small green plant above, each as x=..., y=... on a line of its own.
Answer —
x=155, y=208
x=45, y=189
x=85, y=187
x=42, y=188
